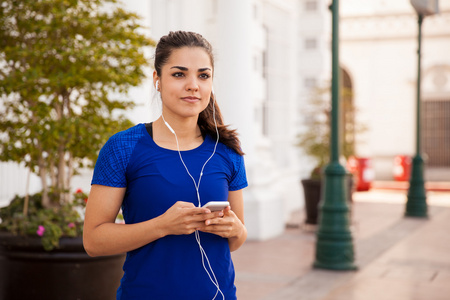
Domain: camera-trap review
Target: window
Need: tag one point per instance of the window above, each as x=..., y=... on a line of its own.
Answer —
x=255, y=11
x=265, y=118
x=311, y=5
x=264, y=63
x=310, y=43
x=255, y=63
x=310, y=82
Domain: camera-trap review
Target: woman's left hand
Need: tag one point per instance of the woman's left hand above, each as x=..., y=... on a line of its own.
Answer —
x=228, y=226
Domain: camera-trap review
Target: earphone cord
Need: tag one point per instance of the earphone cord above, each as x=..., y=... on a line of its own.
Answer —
x=211, y=275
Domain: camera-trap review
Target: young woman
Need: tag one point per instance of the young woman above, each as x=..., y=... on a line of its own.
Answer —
x=161, y=174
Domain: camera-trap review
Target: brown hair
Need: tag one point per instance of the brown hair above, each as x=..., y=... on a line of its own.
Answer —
x=176, y=40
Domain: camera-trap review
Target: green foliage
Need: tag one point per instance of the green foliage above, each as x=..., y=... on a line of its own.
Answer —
x=315, y=138
x=65, y=220
x=65, y=67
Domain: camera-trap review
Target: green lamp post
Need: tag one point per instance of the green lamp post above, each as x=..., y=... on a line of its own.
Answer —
x=334, y=246
x=416, y=206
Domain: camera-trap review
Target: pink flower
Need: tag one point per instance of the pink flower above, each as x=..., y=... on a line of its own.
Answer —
x=41, y=230
x=71, y=225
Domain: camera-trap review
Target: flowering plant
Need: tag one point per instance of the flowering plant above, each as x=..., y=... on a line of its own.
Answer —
x=48, y=223
x=66, y=68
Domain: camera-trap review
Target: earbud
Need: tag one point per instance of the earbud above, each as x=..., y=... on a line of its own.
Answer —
x=157, y=85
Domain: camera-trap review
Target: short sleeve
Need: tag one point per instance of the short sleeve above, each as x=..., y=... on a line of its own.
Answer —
x=239, y=177
x=110, y=168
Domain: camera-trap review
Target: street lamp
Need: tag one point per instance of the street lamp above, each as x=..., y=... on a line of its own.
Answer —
x=334, y=246
x=416, y=206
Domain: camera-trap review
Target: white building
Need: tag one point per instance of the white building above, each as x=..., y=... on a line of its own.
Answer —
x=379, y=51
x=256, y=83
x=271, y=53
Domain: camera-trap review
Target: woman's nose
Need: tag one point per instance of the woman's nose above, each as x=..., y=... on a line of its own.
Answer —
x=192, y=84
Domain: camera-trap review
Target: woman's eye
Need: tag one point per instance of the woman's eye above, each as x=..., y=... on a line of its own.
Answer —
x=178, y=74
x=204, y=76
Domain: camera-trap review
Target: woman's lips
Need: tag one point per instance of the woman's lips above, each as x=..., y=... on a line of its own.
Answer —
x=191, y=99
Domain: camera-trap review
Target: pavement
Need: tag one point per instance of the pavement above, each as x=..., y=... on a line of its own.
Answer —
x=398, y=257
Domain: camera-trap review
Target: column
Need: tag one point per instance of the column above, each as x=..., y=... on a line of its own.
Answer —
x=233, y=84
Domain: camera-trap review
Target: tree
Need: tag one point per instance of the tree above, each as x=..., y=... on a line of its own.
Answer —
x=315, y=137
x=65, y=66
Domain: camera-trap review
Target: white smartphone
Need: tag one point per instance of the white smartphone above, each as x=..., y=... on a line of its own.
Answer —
x=216, y=205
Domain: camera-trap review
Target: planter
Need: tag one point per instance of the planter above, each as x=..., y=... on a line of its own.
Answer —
x=312, y=189
x=27, y=271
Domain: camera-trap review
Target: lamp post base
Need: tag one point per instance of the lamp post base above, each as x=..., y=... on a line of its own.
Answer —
x=334, y=247
x=416, y=206
x=335, y=255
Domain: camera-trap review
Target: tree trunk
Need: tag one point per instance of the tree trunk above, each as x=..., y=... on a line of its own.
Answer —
x=61, y=188
x=27, y=195
x=52, y=168
x=69, y=172
x=43, y=176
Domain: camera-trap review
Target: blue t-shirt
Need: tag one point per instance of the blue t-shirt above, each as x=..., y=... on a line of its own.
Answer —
x=155, y=179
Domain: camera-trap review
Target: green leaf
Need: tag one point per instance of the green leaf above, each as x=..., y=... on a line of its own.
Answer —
x=62, y=60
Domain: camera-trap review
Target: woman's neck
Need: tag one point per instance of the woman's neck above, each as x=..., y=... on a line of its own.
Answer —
x=188, y=134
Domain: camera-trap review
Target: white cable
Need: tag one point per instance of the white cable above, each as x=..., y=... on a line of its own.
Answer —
x=197, y=186
x=203, y=253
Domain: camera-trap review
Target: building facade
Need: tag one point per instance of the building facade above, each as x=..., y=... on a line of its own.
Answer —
x=379, y=41
x=271, y=55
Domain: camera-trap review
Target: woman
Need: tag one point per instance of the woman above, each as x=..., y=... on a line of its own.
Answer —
x=161, y=174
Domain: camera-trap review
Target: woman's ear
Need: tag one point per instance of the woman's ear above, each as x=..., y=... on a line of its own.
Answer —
x=156, y=80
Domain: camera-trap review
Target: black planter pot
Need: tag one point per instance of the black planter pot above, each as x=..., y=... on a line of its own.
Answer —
x=27, y=271
x=312, y=189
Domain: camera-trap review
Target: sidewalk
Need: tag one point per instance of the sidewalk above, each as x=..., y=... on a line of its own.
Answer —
x=398, y=258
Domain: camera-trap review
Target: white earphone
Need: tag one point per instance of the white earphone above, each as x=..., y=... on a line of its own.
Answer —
x=210, y=273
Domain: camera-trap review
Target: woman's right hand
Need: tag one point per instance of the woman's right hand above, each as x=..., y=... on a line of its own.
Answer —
x=185, y=218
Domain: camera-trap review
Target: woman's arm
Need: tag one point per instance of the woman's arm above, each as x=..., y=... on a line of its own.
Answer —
x=236, y=200
x=102, y=236
x=231, y=225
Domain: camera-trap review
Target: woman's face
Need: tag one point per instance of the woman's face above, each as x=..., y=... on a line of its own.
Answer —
x=186, y=82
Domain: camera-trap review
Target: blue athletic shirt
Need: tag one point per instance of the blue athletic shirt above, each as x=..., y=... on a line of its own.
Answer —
x=155, y=179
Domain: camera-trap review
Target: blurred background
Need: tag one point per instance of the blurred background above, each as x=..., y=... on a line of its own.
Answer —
x=272, y=79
